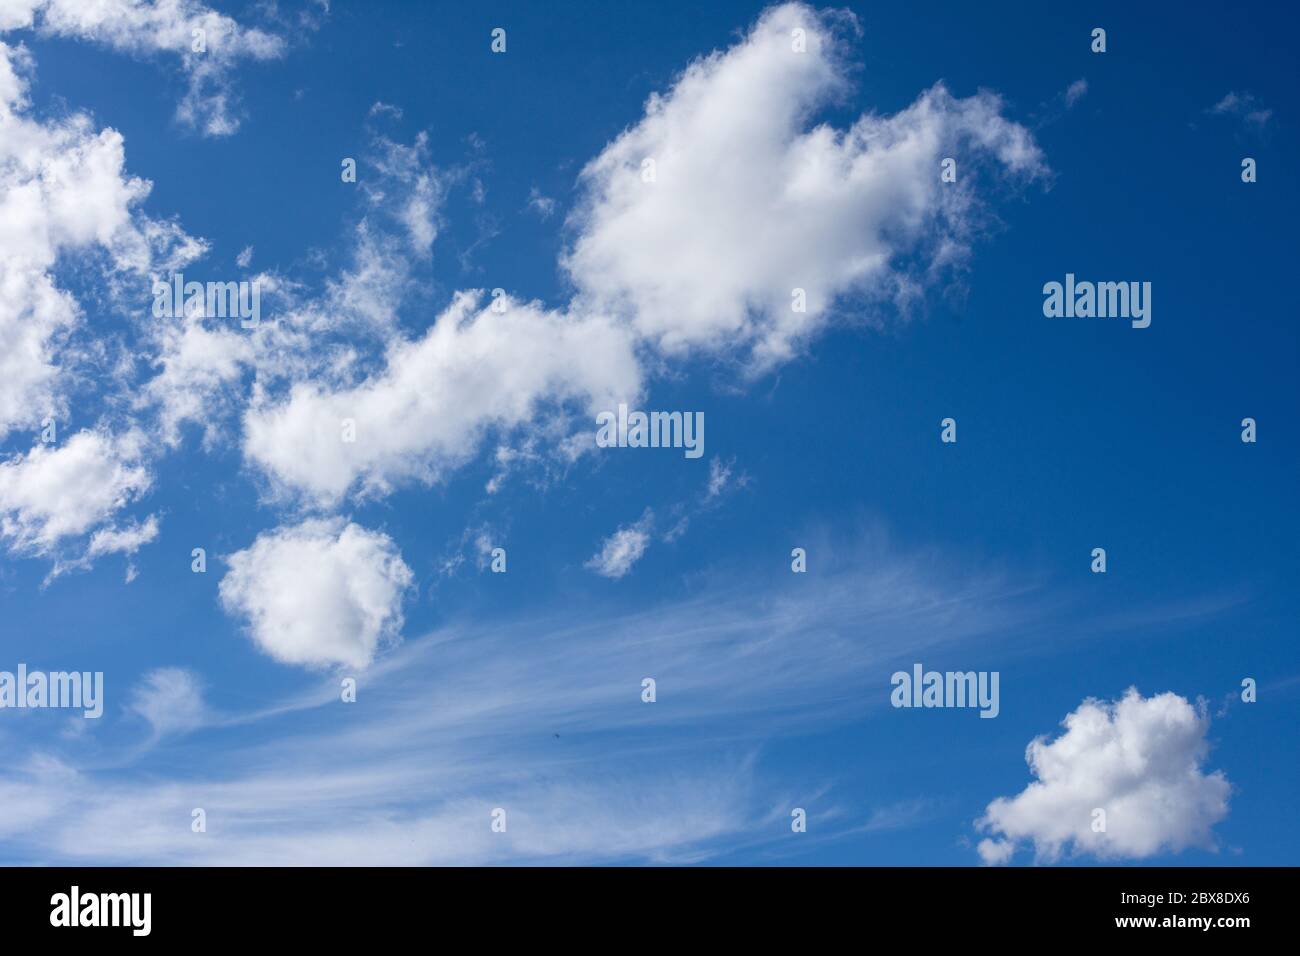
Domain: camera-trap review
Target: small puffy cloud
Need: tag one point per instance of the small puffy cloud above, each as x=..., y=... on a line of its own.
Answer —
x=170, y=699
x=59, y=492
x=721, y=478
x=996, y=852
x=622, y=549
x=321, y=593
x=429, y=407
x=544, y=206
x=1075, y=92
x=697, y=224
x=245, y=257
x=1139, y=760
x=114, y=540
x=380, y=108
x=1244, y=106
x=127, y=540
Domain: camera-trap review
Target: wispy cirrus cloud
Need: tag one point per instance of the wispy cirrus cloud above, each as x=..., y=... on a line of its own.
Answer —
x=516, y=714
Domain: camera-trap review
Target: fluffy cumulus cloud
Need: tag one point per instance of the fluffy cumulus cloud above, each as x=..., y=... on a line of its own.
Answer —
x=209, y=45
x=59, y=492
x=1139, y=760
x=622, y=549
x=697, y=224
x=320, y=593
x=427, y=410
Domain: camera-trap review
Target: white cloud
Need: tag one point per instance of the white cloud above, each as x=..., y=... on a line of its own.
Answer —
x=419, y=189
x=55, y=493
x=429, y=407
x=719, y=477
x=352, y=815
x=365, y=297
x=752, y=200
x=198, y=365
x=330, y=336
x=465, y=721
x=67, y=203
x=126, y=540
x=245, y=257
x=170, y=699
x=1075, y=92
x=380, y=108
x=996, y=852
x=319, y=593
x=62, y=189
x=846, y=204
x=426, y=403
x=141, y=28
x=114, y=540
x=544, y=206
x=623, y=548
x=1139, y=760
x=1246, y=106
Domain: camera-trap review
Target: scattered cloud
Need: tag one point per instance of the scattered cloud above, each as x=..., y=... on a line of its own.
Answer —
x=1244, y=106
x=420, y=189
x=721, y=479
x=696, y=225
x=623, y=548
x=210, y=46
x=55, y=493
x=544, y=206
x=63, y=189
x=380, y=108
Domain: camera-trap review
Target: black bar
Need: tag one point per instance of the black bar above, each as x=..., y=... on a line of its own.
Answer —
x=662, y=906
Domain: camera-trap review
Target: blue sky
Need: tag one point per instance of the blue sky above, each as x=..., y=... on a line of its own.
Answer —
x=522, y=690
